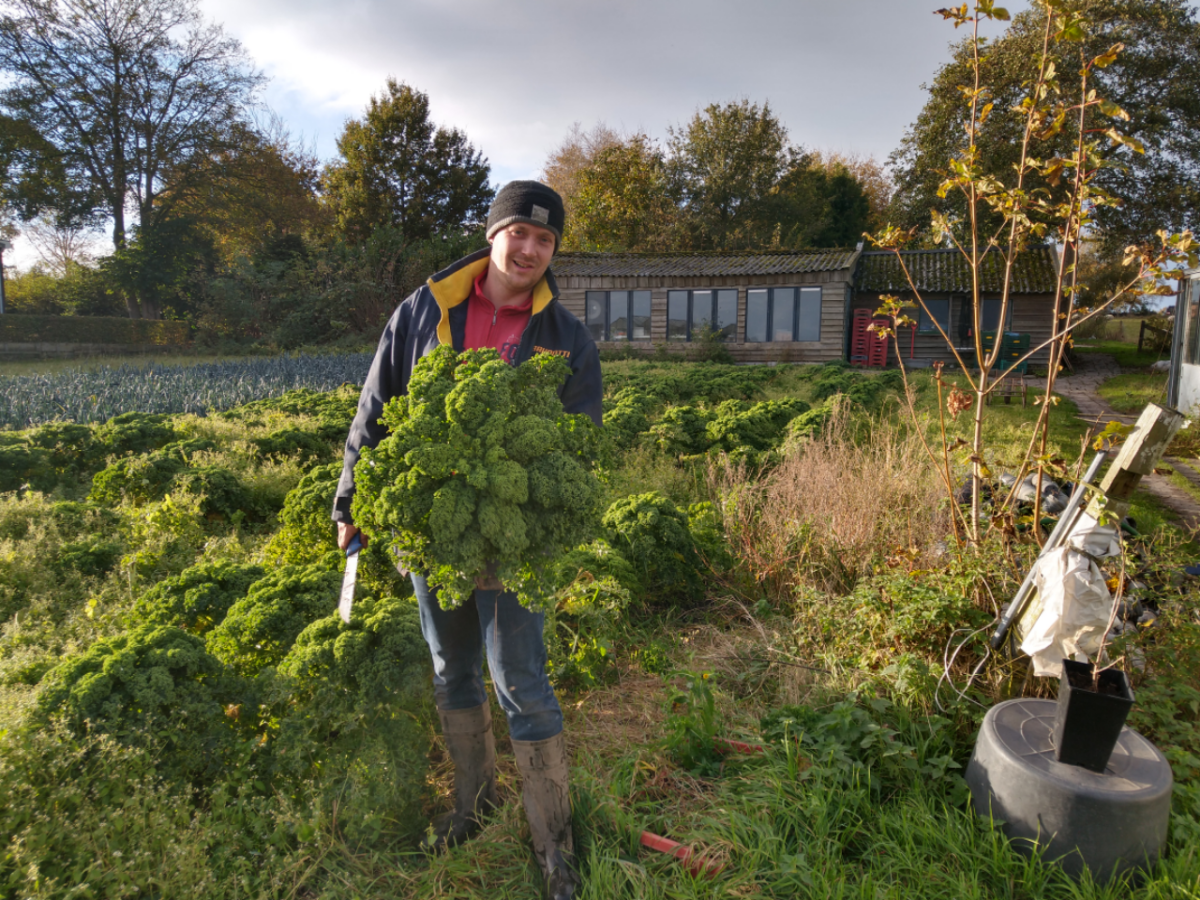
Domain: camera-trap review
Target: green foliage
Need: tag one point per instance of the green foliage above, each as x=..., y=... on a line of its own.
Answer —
x=870, y=742
x=653, y=535
x=690, y=383
x=334, y=411
x=108, y=393
x=359, y=691
x=134, y=432
x=308, y=531
x=693, y=726
x=94, y=818
x=152, y=684
x=398, y=168
x=89, y=556
x=623, y=201
x=734, y=426
x=1161, y=42
x=759, y=426
x=219, y=491
x=379, y=659
x=742, y=184
x=582, y=629
x=22, y=465
x=93, y=330
x=683, y=430
x=259, y=630
x=291, y=442
x=198, y=597
x=913, y=611
x=136, y=480
x=865, y=391
x=807, y=424
x=481, y=465
x=625, y=419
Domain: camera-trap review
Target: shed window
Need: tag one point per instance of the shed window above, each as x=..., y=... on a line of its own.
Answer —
x=934, y=313
x=689, y=313
x=618, y=315
x=783, y=314
x=990, y=321
x=1191, y=308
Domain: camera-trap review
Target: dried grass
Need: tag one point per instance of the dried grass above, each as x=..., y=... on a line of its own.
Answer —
x=861, y=491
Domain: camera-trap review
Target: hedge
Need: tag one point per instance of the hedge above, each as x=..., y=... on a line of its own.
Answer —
x=23, y=329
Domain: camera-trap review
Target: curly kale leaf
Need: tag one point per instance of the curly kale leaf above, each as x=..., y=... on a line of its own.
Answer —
x=197, y=598
x=152, y=684
x=654, y=535
x=480, y=466
x=379, y=658
x=258, y=631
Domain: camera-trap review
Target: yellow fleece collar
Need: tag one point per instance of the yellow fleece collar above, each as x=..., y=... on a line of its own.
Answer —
x=456, y=288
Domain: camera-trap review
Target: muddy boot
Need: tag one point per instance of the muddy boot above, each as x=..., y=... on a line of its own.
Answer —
x=468, y=734
x=544, y=788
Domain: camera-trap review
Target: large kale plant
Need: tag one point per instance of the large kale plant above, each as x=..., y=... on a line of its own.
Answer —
x=482, y=473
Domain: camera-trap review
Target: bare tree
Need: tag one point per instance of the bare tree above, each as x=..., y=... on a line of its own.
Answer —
x=61, y=246
x=122, y=91
x=578, y=151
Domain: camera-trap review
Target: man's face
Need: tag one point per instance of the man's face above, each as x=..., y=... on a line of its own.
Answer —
x=521, y=254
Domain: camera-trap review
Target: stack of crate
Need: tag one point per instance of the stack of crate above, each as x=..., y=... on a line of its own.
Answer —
x=866, y=347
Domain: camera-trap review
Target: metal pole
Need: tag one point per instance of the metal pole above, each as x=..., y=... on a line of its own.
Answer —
x=4, y=245
x=1065, y=522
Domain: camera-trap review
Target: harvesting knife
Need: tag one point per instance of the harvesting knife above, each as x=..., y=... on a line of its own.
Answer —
x=346, y=600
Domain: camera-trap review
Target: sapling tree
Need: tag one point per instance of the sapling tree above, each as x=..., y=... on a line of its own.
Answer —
x=1051, y=194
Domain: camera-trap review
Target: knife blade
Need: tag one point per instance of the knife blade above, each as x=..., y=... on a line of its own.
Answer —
x=346, y=600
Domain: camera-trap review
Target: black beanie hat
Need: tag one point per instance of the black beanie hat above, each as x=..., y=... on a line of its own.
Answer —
x=527, y=201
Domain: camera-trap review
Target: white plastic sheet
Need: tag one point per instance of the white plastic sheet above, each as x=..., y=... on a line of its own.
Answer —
x=1068, y=617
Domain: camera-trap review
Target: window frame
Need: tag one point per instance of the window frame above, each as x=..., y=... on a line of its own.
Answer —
x=631, y=313
x=713, y=304
x=802, y=300
x=926, y=323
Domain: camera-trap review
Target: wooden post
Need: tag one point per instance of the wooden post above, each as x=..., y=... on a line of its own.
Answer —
x=1141, y=335
x=1138, y=456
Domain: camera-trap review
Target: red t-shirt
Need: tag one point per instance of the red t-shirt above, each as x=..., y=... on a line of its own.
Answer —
x=498, y=328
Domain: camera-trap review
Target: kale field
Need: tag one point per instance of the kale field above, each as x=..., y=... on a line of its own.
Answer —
x=183, y=714
x=98, y=395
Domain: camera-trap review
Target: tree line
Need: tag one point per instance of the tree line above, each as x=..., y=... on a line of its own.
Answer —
x=141, y=118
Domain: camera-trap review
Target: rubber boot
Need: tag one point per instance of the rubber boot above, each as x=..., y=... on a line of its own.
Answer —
x=468, y=734
x=545, y=791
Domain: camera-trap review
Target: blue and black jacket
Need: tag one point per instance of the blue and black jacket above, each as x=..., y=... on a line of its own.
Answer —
x=436, y=313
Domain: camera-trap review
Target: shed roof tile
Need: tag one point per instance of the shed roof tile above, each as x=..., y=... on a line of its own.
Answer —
x=666, y=265
x=947, y=271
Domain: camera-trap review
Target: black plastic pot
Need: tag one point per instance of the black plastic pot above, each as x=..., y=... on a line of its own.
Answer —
x=1087, y=723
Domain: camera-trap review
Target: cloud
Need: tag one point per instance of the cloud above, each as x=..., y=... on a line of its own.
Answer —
x=514, y=77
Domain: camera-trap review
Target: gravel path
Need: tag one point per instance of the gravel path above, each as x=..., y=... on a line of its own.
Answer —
x=1080, y=386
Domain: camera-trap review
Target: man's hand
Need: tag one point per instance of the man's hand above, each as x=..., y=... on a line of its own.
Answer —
x=346, y=534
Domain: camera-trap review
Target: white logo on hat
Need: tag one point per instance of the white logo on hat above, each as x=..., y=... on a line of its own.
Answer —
x=540, y=214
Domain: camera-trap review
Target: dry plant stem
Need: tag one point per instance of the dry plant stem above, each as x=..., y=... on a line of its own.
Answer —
x=875, y=489
x=1112, y=618
x=947, y=479
x=955, y=511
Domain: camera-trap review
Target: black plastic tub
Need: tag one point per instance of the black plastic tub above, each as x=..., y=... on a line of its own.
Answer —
x=1088, y=722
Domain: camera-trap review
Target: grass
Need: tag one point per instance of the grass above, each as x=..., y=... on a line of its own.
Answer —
x=1126, y=354
x=51, y=366
x=92, y=363
x=1130, y=392
x=778, y=824
x=782, y=823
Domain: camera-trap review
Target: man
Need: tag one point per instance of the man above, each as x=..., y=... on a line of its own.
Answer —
x=503, y=297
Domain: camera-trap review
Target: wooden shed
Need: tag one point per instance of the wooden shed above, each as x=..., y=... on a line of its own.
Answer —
x=767, y=306
x=944, y=280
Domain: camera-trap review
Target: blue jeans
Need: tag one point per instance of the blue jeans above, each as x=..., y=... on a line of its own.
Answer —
x=516, y=656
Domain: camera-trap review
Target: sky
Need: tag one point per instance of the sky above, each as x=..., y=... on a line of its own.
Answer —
x=841, y=75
